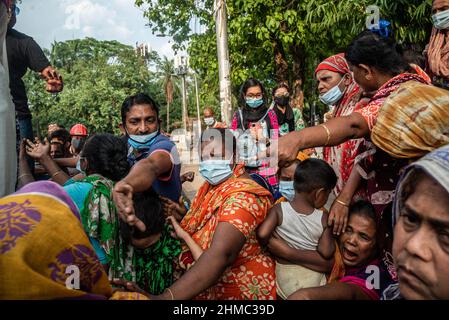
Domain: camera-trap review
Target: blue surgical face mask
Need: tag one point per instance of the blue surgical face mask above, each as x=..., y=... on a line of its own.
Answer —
x=333, y=95
x=215, y=171
x=441, y=20
x=287, y=189
x=254, y=103
x=143, y=141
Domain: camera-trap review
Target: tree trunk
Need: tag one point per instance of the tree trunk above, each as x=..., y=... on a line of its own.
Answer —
x=168, y=116
x=280, y=62
x=297, y=76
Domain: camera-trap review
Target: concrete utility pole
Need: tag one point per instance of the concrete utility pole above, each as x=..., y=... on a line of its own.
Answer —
x=181, y=70
x=197, y=104
x=221, y=26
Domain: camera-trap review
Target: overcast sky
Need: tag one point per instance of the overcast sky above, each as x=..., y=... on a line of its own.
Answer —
x=50, y=20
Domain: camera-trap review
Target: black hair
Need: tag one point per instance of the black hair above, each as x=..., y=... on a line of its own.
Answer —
x=281, y=85
x=251, y=82
x=106, y=155
x=363, y=208
x=312, y=174
x=226, y=136
x=62, y=134
x=148, y=208
x=413, y=54
x=383, y=54
x=140, y=98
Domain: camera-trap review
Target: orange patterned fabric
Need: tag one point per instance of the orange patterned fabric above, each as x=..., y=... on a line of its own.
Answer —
x=244, y=204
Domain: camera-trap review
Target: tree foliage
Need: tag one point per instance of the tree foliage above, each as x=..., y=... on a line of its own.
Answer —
x=279, y=41
x=98, y=76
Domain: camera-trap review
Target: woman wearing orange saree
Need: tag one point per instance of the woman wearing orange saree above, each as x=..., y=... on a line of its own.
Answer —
x=222, y=221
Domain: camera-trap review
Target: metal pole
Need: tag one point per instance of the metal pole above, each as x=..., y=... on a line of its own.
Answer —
x=221, y=28
x=184, y=102
x=197, y=104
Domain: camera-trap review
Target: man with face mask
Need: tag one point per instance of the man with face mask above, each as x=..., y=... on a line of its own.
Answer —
x=79, y=136
x=210, y=121
x=437, y=51
x=153, y=157
x=23, y=54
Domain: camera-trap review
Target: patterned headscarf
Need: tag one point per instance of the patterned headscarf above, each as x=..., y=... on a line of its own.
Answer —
x=43, y=248
x=434, y=164
x=336, y=63
x=413, y=121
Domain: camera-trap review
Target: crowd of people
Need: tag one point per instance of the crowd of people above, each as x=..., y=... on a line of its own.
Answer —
x=271, y=221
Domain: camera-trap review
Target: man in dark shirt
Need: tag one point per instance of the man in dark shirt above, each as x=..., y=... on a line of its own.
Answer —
x=23, y=53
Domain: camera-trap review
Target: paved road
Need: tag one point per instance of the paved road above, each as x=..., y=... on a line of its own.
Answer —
x=190, y=188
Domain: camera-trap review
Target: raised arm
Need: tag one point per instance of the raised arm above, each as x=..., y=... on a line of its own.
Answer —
x=41, y=152
x=338, y=214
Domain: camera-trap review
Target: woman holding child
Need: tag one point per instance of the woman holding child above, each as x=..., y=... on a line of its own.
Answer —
x=222, y=222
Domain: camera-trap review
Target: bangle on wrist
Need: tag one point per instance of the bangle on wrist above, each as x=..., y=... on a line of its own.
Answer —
x=24, y=175
x=56, y=173
x=171, y=293
x=342, y=203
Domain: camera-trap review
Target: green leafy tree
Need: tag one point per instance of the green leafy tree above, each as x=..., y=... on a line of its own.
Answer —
x=279, y=41
x=98, y=76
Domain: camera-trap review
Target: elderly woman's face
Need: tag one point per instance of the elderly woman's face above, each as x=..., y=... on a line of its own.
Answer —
x=421, y=242
x=327, y=79
x=358, y=242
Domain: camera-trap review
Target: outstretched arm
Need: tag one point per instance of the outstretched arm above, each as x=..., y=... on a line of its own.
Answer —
x=139, y=179
x=340, y=129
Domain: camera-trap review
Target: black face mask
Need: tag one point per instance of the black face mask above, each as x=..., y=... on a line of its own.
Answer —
x=282, y=101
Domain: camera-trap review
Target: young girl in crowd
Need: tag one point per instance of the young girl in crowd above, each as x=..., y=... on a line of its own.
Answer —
x=302, y=225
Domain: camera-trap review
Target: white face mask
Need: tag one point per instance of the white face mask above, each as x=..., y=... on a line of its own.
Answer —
x=333, y=95
x=441, y=20
x=209, y=121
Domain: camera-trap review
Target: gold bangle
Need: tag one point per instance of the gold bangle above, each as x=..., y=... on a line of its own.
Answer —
x=342, y=203
x=171, y=293
x=56, y=173
x=24, y=175
x=328, y=134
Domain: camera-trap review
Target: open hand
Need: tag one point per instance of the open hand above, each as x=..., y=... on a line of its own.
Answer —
x=37, y=149
x=54, y=80
x=123, y=198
